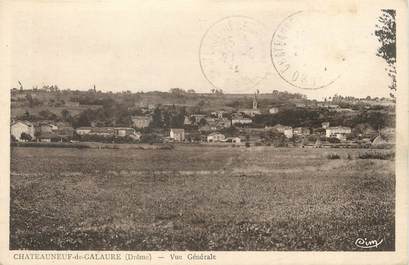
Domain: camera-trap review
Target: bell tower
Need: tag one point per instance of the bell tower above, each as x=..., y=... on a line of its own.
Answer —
x=255, y=105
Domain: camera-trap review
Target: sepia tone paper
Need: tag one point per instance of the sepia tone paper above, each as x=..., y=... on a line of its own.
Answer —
x=210, y=131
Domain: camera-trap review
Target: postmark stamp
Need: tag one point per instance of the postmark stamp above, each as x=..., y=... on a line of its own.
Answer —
x=307, y=51
x=234, y=53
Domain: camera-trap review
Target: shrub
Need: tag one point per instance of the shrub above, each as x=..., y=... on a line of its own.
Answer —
x=377, y=155
x=247, y=144
x=333, y=156
x=25, y=137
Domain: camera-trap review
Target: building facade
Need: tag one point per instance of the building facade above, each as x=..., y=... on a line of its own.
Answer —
x=19, y=127
x=178, y=135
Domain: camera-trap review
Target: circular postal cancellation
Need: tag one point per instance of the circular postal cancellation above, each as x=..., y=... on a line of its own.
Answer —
x=234, y=53
x=309, y=49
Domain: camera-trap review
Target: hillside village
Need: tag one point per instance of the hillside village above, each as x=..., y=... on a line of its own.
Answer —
x=278, y=119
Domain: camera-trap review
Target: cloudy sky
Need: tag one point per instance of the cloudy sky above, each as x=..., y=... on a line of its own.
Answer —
x=154, y=45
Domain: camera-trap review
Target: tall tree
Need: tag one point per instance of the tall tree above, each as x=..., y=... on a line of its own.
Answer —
x=386, y=34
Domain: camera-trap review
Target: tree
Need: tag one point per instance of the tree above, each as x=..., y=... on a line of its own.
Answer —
x=47, y=115
x=26, y=115
x=83, y=119
x=202, y=122
x=386, y=33
x=25, y=137
x=37, y=134
x=201, y=104
x=178, y=92
x=157, y=121
x=66, y=115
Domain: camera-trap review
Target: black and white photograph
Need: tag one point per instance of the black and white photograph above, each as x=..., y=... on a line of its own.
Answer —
x=202, y=126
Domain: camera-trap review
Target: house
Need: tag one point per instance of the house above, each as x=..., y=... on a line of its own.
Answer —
x=286, y=130
x=98, y=131
x=141, y=121
x=238, y=119
x=177, y=135
x=337, y=132
x=83, y=130
x=47, y=127
x=250, y=112
x=19, y=127
x=302, y=131
x=197, y=117
x=219, y=114
x=187, y=121
x=325, y=125
x=136, y=136
x=215, y=137
x=123, y=131
x=273, y=110
x=236, y=140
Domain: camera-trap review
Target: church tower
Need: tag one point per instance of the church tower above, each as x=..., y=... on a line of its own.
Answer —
x=255, y=106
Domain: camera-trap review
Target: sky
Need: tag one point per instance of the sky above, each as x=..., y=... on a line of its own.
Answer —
x=154, y=45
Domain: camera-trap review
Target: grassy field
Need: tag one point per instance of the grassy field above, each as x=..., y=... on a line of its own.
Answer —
x=200, y=198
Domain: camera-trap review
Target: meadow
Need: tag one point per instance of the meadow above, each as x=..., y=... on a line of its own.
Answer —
x=201, y=198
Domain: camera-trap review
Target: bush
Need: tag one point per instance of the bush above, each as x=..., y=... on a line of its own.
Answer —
x=333, y=156
x=25, y=137
x=247, y=144
x=377, y=155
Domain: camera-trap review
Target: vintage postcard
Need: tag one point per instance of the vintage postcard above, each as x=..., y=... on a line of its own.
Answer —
x=204, y=132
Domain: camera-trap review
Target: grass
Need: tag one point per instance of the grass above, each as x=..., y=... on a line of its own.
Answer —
x=199, y=198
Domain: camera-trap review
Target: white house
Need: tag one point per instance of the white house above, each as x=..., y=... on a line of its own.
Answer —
x=250, y=112
x=301, y=131
x=325, y=125
x=19, y=127
x=141, y=121
x=136, y=136
x=215, y=137
x=237, y=119
x=286, y=130
x=123, y=131
x=273, y=110
x=177, y=135
x=338, y=132
x=83, y=130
